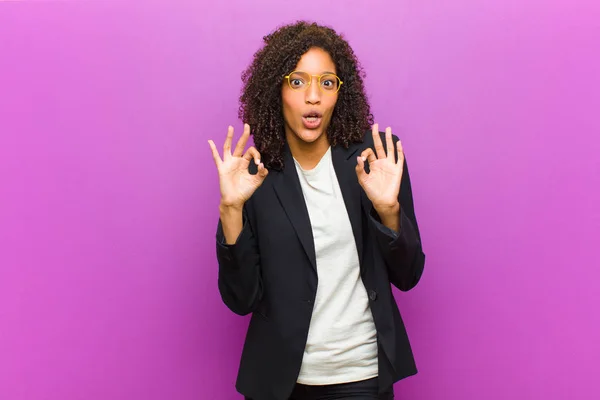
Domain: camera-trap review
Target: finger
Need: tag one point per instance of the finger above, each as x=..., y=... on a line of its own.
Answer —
x=227, y=144
x=389, y=142
x=368, y=155
x=262, y=171
x=215, y=153
x=360, y=169
x=241, y=144
x=377, y=142
x=400, y=153
x=252, y=153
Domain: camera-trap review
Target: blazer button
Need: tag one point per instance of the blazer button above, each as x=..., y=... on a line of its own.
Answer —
x=372, y=295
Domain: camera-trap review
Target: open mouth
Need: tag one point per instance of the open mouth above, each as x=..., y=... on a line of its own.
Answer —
x=312, y=119
x=312, y=116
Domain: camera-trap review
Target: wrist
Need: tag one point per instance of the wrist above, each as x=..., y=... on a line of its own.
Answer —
x=226, y=209
x=387, y=210
x=231, y=217
x=389, y=216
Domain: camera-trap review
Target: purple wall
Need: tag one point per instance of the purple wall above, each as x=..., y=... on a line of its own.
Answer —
x=108, y=193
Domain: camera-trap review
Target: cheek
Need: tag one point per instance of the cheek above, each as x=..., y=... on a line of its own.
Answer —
x=287, y=112
x=331, y=106
x=290, y=106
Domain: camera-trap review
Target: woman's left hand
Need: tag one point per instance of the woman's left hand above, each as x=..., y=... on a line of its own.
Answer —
x=382, y=183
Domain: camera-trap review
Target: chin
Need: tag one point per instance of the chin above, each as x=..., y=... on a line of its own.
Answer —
x=309, y=136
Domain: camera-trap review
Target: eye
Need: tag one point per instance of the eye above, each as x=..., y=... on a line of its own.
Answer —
x=329, y=83
x=297, y=82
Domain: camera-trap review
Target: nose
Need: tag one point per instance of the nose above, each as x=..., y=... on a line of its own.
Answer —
x=313, y=93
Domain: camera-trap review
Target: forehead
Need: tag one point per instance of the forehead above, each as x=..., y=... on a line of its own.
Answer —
x=316, y=61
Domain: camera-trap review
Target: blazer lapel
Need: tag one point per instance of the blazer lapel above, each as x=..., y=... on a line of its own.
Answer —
x=344, y=163
x=288, y=190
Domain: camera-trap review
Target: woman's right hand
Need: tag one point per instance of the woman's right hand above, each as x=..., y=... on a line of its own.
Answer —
x=236, y=183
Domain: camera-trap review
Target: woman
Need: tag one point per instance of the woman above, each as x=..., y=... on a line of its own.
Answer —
x=316, y=222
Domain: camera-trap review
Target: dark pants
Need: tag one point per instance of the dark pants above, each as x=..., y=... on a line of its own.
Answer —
x=362, y=390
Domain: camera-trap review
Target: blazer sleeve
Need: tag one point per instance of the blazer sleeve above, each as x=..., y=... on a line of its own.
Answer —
x=239, y=281
x=402, y=251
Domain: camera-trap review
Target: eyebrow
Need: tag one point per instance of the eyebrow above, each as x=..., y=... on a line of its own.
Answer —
x=322, y=73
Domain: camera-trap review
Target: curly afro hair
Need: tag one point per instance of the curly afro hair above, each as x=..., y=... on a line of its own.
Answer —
x=260, y=101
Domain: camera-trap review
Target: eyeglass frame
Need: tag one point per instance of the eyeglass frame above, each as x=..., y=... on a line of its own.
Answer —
x=287, y=77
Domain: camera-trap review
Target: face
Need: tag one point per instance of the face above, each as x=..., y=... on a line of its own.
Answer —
x=307, y=113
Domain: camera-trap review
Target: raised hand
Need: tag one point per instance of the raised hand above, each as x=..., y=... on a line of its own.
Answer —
x=382, y=183
x=236, y=183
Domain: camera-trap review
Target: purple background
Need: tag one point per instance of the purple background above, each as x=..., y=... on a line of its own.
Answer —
x=108, y=192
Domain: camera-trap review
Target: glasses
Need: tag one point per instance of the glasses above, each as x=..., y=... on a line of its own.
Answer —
x=300, y=81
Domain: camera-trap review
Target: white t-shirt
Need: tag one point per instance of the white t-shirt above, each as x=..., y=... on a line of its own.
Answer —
x=342, y=340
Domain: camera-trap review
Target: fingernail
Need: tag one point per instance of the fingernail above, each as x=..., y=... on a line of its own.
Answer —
x=364, y=158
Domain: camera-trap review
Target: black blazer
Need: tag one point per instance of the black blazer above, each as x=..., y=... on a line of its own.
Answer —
x=271, y=272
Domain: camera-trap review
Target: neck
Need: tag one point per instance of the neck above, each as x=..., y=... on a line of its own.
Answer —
x=308, y=155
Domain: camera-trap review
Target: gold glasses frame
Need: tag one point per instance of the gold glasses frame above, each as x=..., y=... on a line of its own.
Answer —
x=340, y=82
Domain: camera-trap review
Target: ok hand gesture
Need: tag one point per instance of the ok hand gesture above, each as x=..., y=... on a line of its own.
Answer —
x=236, y=183
x=382, y=183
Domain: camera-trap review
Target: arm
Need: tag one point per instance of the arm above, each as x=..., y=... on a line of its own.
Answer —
x=239, y=281
x=399, y=238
